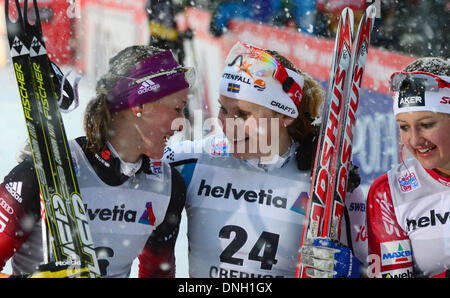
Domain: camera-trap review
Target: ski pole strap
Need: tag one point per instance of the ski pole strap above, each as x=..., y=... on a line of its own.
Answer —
x=420, y=91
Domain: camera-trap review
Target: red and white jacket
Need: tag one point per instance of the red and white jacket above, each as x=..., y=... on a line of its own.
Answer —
x=129, y=217
x=408, y=223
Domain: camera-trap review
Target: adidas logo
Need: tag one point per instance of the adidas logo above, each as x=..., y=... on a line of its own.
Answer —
x=15, y=189
x=148, y=85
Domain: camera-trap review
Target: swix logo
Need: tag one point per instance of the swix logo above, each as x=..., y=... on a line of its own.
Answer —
x=433, y=219
x=15, y=189
x=147, y=86
x=445, y=100
x=396, y=252
x=251, y=196
x=408, y=182
x=148, y=217
x=387, y=215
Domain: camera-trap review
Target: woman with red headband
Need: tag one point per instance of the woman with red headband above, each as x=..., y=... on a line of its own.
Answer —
x=248, y=185
x=408, y=207
x=133, y=204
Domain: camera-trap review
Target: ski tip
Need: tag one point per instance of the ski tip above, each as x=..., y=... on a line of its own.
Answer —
x=347, y=16
x=347, y=13
x=371, y=11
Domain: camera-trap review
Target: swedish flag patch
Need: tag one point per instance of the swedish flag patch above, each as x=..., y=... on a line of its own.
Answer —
x=233, y=88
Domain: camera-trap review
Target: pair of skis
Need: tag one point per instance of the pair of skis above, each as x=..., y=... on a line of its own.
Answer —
x=65, y=215
x=326, y=202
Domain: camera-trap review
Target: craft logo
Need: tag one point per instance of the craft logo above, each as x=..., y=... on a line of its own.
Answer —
x=148, y=217
x=408, y=182
x=275, y=103
x=396, y=252
x=233, y=88
x=259, y=85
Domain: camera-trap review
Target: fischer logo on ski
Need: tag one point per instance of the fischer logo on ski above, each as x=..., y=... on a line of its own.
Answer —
x=64, y=210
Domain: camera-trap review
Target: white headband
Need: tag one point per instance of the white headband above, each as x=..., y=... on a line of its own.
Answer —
x=264, y=91
x=434, y=101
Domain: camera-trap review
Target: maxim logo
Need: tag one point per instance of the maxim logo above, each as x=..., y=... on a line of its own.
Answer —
x=425, y=221
x=228, y=192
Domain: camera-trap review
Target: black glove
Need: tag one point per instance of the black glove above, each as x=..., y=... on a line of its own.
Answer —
x=354, y=179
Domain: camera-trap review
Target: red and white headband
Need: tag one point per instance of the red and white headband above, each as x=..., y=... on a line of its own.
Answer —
x=254, y=75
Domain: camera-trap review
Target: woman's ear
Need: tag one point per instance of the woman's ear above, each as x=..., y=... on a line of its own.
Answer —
x=137, y=111
x=286, y=120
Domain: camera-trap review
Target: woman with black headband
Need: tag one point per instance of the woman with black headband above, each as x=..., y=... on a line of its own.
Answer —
x=133, y=203
x=408, y=207
x=247, y=187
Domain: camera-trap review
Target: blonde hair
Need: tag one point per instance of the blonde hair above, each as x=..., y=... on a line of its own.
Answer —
x=97, y=117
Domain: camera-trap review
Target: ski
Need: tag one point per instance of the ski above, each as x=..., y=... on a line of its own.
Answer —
x=342, y=154
x=66, y=220
x=326, y=202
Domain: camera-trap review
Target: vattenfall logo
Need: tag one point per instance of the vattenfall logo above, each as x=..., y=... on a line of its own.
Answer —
x=263, y=197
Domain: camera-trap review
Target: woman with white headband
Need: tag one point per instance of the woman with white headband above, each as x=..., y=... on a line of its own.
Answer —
x=247, y=187
x=408, y=207
x=133, y=203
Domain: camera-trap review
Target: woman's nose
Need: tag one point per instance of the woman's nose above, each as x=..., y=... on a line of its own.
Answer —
x=416, y=138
